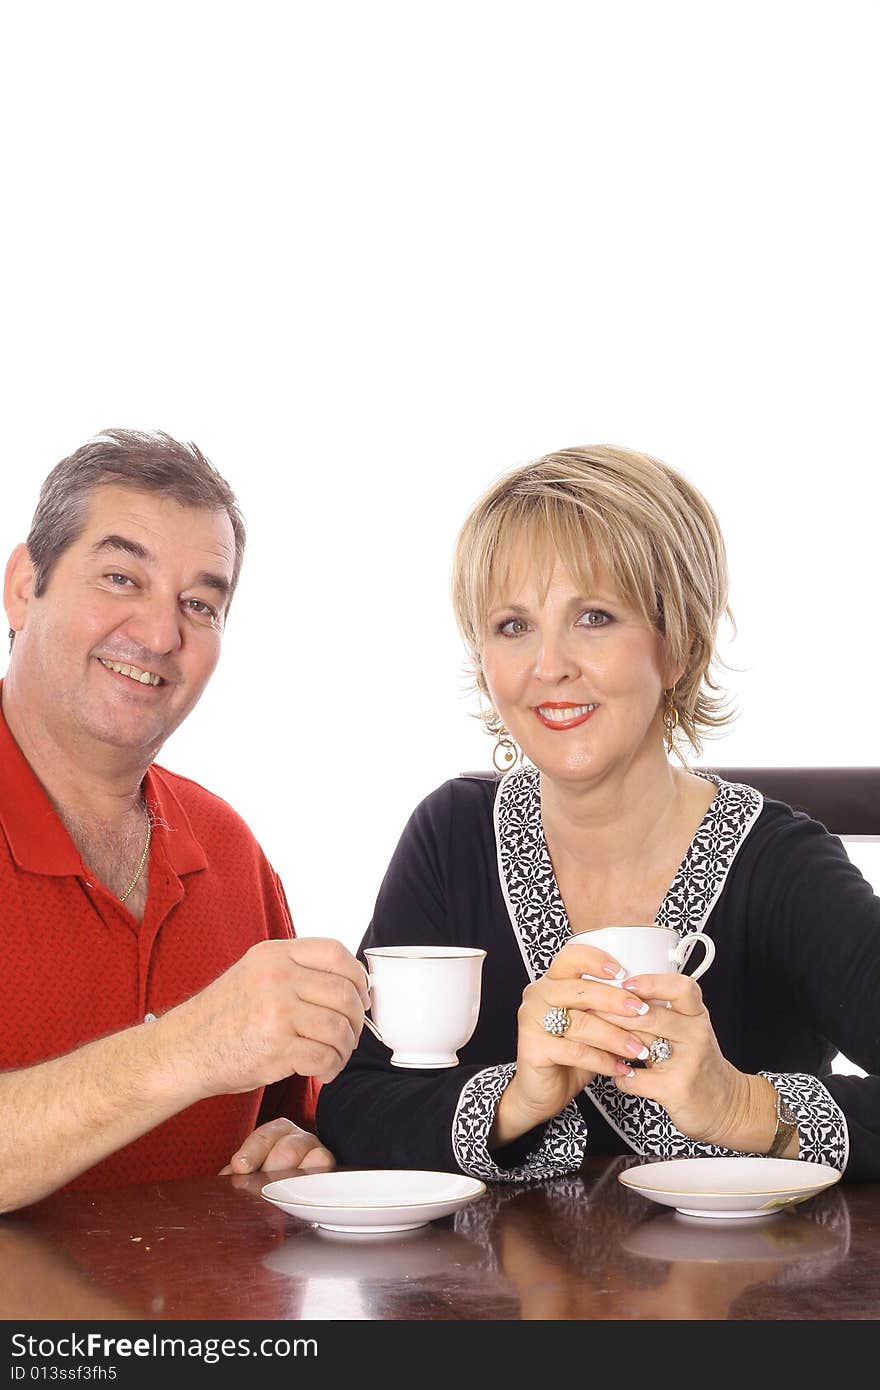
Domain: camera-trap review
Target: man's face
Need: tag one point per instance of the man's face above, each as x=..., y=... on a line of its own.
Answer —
x=145, y=586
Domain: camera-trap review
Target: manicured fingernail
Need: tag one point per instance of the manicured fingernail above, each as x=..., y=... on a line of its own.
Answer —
x=634, y=1006
x=624, y=1069
x=616, y=972
x=636, y=1048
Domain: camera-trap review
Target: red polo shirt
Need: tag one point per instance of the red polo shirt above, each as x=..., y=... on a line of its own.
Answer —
x=75, y=965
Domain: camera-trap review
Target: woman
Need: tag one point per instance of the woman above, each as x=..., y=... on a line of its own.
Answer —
x=588, y=587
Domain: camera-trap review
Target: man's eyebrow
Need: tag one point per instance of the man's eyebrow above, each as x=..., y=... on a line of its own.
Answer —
x=213, y=581
x=129, y=547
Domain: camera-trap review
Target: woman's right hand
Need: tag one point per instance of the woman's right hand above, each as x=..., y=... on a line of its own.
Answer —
x=551, y=1070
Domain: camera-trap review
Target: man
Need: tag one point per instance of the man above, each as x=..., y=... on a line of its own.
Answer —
x=153, y=995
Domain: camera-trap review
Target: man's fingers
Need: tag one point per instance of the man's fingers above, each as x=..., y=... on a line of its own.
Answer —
x=331, y=957
x=318, y=1160
x=332, y=994
x=255, y=1149
x=298, y=1151
x=279, y=1144
x=326, y=1028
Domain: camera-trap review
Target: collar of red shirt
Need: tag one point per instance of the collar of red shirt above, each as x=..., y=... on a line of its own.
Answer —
x=38, y=838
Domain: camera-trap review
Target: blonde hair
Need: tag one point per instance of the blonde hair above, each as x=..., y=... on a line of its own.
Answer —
x=652, y=532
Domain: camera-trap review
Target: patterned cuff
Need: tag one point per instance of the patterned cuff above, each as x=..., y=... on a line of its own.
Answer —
x=562, y=1149
x=824, y=1137
x=646, y=1126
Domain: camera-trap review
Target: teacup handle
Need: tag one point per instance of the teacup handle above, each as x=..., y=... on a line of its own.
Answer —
x=686, y=945
x=368, y=1022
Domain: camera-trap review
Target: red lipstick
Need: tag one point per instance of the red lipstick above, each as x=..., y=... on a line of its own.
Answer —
x=562, y=724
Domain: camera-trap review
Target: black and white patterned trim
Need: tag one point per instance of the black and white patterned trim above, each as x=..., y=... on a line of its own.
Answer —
x=697, y=885
x=822, y=1127
x=537, y=912
x=562, y=1148
x=540, y=923
x=646, y=1126
x=534, y=905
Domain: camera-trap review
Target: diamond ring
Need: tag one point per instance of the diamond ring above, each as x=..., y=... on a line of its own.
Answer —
x=659, y=1051
x=556, y=1021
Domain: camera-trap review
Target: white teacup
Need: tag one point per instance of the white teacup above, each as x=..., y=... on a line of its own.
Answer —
x=649, y=950
x=425, y=1001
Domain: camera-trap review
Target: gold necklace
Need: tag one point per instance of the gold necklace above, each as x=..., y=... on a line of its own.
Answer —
x=140, y=867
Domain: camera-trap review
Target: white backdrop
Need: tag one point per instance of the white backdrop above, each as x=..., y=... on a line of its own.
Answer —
x=369, y=257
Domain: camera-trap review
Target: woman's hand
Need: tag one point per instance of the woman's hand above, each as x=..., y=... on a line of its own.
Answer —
x=551, y=1070
x=704, y=1094
x=280, y=1144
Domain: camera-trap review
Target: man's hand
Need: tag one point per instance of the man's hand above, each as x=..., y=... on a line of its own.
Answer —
x=285, y=1008
x=277, y=1145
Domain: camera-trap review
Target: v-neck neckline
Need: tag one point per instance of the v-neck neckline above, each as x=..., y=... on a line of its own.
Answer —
x=676, y=883
x=528, y=881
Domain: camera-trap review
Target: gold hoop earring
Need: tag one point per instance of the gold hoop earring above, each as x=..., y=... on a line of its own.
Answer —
x=670, y=718
x=506, y=750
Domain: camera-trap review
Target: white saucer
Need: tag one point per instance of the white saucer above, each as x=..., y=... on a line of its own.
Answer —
x=372, y=1201
x=731, y=1188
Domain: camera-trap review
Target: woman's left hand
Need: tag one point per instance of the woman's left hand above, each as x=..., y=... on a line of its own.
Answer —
x=704, y=1094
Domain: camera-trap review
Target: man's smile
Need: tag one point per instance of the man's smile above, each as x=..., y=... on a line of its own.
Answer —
x=132, y=672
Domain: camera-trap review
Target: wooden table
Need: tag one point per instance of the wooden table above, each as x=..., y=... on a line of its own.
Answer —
x=580, y=1247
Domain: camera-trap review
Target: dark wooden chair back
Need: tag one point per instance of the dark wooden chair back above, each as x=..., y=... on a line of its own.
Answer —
x=845, y=799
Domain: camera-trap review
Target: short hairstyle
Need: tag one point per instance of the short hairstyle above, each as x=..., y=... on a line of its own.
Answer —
x=652, y=532
x=146, y=461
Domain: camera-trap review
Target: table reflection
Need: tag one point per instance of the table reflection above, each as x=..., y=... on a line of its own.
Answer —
x=39, y=1281
x=581, y=1249
x=160, y=1251
x=429, y=1252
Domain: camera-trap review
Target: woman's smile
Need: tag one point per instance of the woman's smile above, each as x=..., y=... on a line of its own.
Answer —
x=559, y=716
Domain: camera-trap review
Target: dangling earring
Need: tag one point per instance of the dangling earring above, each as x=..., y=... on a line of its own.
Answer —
x=505, y=752
x=670, y=717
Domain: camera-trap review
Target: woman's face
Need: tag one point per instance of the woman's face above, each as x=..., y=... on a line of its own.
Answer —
x=576, y=677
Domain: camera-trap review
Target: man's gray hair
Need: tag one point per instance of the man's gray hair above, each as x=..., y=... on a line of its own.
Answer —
x=148, y=461
x=144, y=460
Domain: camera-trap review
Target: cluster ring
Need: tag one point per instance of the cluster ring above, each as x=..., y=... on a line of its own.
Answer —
x=556, y=1021
x=659, y=1051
